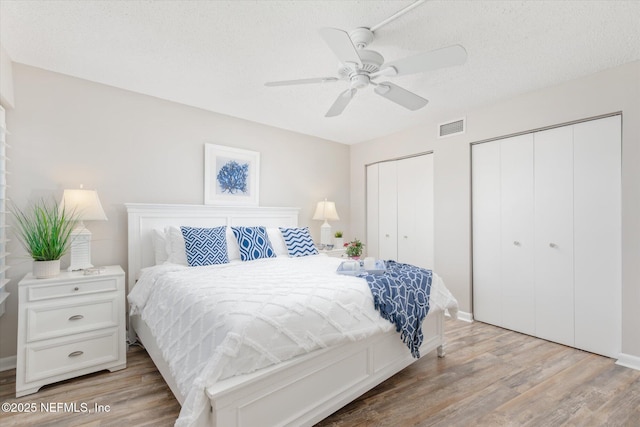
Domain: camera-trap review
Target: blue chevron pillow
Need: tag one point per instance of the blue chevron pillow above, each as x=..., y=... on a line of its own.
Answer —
x=205, y=246
x=254, y=243
x=299, y=241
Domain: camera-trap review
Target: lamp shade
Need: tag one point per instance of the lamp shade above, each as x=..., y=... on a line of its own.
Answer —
x=326, y=211
x=85, y=204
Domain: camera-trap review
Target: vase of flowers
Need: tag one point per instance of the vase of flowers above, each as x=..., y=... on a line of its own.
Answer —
x=354, y=248
x=45, y=233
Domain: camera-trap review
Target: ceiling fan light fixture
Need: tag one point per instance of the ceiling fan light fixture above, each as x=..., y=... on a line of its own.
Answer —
x=359, y=81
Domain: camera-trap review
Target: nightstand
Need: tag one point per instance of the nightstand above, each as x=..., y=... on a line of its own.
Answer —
x=335, y=252
x=69, y=325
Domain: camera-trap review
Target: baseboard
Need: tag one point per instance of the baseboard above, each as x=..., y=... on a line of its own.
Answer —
x=462, y=315
x=7, y=363
x=629, y=361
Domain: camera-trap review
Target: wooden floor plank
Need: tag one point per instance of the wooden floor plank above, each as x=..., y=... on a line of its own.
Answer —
x=490, y=377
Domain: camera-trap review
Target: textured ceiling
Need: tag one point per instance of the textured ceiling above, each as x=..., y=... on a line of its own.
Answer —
x=217, y=55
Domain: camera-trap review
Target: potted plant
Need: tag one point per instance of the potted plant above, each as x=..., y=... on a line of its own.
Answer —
x=338, y=241
x=45, y=232
x=354, y=248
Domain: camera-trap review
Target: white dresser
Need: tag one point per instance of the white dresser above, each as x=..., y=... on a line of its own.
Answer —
x=68, y=326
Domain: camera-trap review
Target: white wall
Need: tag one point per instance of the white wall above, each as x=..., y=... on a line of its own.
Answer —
x=134, y=148
x=609, y=91
x=6, y=79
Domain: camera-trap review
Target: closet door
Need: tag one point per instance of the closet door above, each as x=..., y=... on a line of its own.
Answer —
x=372, y=211
x=553, y=217
x=388, y=210
x=516, y=231
x=597, y=243
x=415, y=211
x=485, y=171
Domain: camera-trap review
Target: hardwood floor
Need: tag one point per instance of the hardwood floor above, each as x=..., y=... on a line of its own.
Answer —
x=490, y=377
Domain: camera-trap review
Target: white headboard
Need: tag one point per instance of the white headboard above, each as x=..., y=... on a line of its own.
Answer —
x=144, y=218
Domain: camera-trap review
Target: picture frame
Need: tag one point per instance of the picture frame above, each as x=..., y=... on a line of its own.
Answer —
x=231, y=176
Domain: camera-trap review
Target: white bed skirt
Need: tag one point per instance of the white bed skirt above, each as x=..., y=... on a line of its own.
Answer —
x=308, y=388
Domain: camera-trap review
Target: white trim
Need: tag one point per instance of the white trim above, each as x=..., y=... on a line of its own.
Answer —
x=463, y=315
x=7, y=363
x=629, y=361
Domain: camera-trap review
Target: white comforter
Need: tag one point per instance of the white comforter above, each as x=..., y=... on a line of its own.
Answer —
x=219, y=321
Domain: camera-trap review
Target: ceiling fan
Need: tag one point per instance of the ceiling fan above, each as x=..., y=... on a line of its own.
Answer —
x=361, y=67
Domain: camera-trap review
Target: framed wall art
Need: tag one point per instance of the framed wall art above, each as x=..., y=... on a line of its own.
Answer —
x=231, y=176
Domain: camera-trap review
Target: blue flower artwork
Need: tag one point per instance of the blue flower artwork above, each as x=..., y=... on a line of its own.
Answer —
x=233, y=177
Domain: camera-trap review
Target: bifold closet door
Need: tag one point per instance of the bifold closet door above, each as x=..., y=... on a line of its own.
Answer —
x=388, y=210
x=503, y=242
x=597, y=240
x=487, y=252
x=547, y=234
x=400, y=210
x=553, y=184
x=516, y=233
x=371, y=248
x=415, y=211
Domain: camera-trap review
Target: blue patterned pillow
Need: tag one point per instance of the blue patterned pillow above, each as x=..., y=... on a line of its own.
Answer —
x=254, y=243
x=205, y=246
x=299, y=242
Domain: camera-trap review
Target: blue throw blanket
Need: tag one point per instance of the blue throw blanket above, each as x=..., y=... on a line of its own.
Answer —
x=401, y=295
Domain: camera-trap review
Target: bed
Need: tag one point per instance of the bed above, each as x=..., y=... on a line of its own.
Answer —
x=298, y=389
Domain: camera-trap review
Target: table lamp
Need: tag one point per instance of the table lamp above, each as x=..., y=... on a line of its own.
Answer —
x=326, y=211
x=85, y=205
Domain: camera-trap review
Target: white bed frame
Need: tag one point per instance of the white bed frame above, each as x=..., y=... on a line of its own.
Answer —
x=298, y=392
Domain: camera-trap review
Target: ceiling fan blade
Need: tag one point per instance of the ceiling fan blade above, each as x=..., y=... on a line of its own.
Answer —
x=427, y=61
x=341, y=45
x=302, y=81
x=341, y=103
x=400, y=96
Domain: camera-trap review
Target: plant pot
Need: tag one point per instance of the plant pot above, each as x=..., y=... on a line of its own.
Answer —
x=338, y=242
x=46, y=269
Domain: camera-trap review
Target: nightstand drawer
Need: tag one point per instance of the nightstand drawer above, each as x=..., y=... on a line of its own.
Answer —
x=48, y=360
x=61, y=320
x=43, y=292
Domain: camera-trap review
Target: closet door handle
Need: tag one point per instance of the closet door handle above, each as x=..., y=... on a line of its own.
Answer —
x=553, y=245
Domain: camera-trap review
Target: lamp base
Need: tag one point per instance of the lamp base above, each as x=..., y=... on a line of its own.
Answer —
x=80, y=250
x=325, y=234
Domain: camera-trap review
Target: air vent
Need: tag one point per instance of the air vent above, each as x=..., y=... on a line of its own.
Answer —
x=451, y=128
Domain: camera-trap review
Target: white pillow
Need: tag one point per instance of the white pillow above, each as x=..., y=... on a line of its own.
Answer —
x=277, y=242
x=177, y=253
x=159, y=246
x=233, y=249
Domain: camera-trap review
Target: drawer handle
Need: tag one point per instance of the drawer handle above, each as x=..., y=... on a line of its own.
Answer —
x=76, y=317
x=76, y=353
x=553, y=245
x=76, y=288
